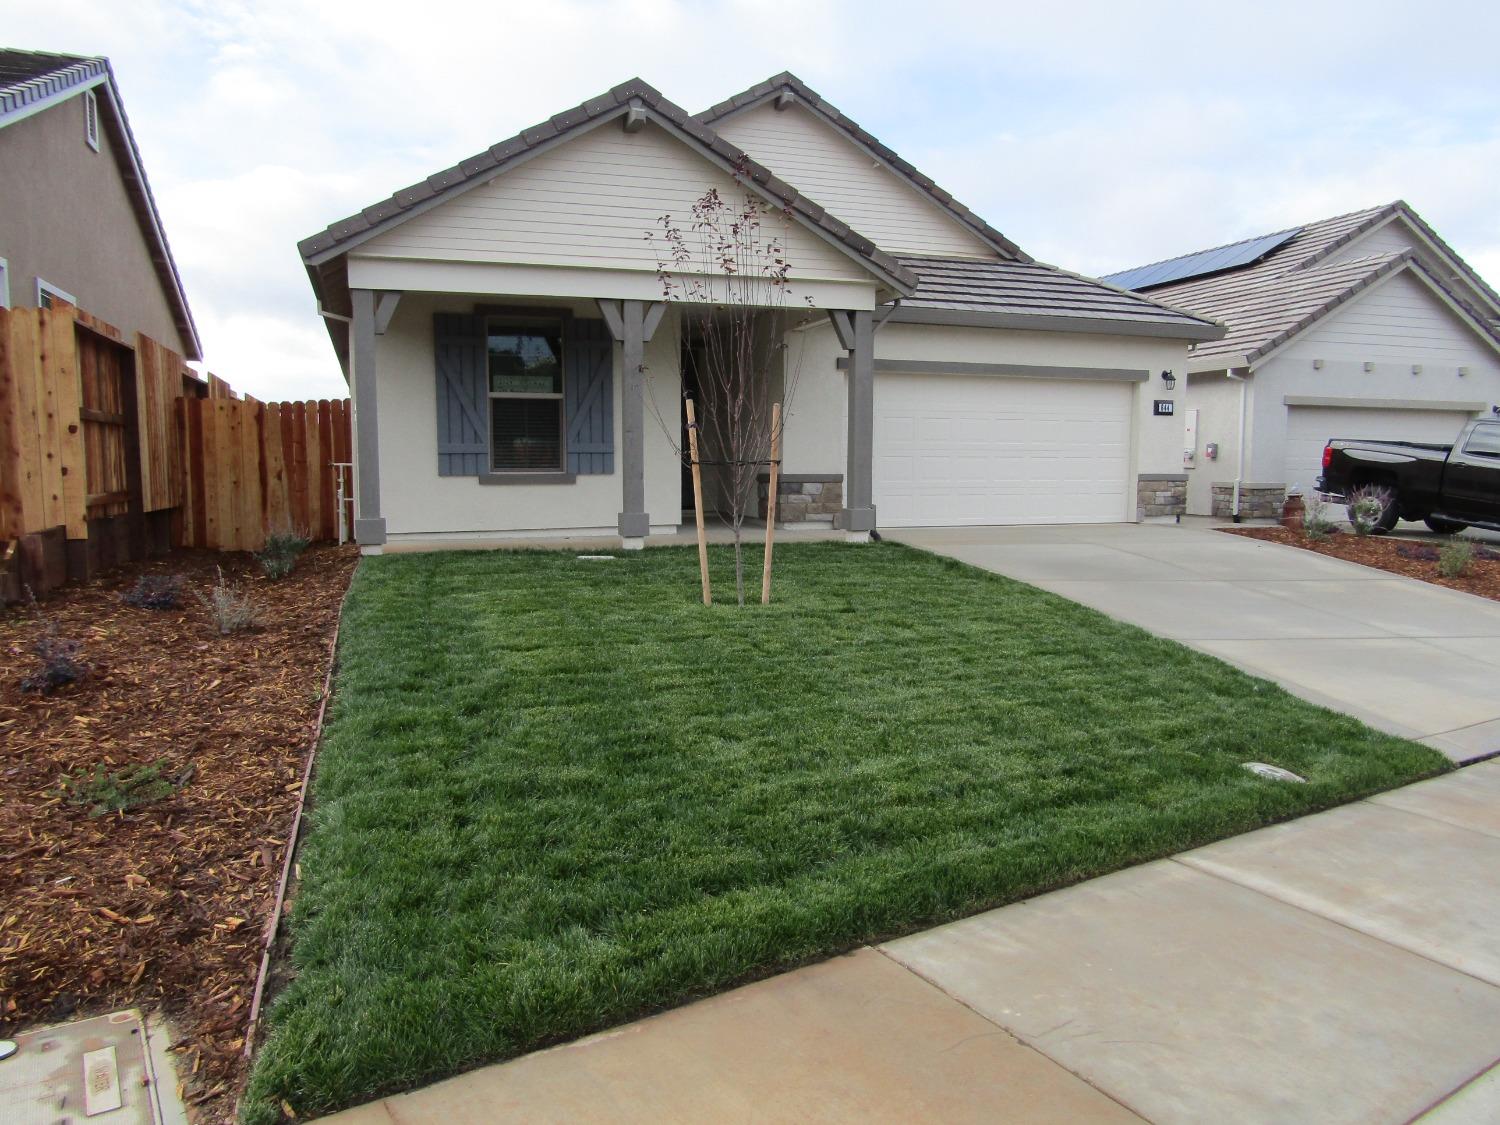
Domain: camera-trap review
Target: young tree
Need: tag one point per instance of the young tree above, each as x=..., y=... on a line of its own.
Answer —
x=726, y=269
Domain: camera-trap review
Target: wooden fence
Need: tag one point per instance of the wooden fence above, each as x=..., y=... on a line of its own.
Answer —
x=253, y=468
x=111, y=448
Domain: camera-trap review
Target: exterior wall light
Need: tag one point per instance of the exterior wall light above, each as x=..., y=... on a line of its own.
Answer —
x=1169, y=379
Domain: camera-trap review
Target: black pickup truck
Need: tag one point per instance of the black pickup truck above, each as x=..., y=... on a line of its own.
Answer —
x=1448, y=486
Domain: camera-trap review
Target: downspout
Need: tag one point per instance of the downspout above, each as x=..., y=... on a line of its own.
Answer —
x=1239, y=468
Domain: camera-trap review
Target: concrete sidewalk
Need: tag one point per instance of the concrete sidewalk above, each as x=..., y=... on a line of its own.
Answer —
x=1340, y=968
x=1404, y=656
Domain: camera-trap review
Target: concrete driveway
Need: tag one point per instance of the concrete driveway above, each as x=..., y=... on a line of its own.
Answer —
x=1404, y=656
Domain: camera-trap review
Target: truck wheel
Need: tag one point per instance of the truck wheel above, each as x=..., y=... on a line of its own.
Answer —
x=1444, y=527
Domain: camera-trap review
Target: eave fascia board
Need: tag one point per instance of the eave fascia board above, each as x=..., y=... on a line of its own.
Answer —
x=57, y=97
x=1041, y=323
x=1207, y=365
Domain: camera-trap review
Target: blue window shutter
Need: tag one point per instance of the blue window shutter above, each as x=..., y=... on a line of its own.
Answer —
x=588, y=394
x=462, y=396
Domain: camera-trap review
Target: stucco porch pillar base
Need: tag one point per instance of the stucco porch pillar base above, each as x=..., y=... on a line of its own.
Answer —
x=857, y=519
x=632, y=543
x=369, y=532
x=634, y=525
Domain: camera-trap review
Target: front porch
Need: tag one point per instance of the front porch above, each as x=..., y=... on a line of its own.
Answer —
x=613, y=473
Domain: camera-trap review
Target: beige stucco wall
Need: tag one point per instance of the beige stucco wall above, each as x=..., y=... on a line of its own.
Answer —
x=1217, y=400
x=65, y=217
x=418, y=504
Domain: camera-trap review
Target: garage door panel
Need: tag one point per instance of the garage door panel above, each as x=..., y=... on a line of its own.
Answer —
x=961, y=450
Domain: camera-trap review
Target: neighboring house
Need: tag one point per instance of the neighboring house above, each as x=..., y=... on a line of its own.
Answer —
x=1366, y=325
x=944, y=377
x=77, y=221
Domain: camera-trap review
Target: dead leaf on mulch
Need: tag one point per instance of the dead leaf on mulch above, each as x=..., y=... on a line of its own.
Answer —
x=164, y=905
x=1396, y=555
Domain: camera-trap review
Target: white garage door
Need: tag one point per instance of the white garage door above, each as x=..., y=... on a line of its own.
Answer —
x=955, y=449
x=1308, y=429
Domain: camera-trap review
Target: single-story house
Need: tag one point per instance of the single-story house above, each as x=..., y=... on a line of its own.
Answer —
x=944, y=376
x=1366, y=325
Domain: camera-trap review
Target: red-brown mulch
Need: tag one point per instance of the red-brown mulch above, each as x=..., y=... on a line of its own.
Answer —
x=163, y=906
x=1412, y=558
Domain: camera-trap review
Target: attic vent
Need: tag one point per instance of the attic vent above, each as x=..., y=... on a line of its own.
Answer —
x=91, y=119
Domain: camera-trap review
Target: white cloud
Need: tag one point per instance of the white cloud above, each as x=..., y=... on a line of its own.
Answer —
x=1098, y=136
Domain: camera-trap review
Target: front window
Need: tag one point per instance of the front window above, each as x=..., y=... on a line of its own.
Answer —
x=526, y=395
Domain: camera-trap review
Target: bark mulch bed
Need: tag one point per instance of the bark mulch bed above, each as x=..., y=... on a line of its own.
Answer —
x=1399, y=556
x=162, y=906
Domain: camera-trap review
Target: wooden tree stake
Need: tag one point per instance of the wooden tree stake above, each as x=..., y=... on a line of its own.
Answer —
x=765, y=576
x=708, y=595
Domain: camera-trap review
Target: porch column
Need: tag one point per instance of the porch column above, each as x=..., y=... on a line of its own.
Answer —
x=632, y=324
x=369, y=525
x=856, y=331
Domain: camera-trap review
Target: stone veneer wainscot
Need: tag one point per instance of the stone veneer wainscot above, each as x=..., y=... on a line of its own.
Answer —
x=803, y=497
x=1257, y=501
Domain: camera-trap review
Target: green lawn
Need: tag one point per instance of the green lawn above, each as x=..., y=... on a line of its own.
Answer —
x=559, y=794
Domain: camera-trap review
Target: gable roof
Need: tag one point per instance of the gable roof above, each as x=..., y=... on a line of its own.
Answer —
x=788, y=84
x=632, y=95
x=32, y=81
x=1276, y=296
x=1035, y=295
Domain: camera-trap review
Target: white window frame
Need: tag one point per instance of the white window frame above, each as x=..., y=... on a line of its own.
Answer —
x=91, y=119
x=46, y=287
x=4, y=284
x=524, y=319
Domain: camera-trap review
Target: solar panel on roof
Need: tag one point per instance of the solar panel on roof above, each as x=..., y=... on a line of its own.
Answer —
x=1233, y=256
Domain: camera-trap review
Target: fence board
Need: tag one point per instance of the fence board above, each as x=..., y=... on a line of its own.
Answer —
x=12, y=506
x=60, y=371
x=158, y=385
x=25, y=361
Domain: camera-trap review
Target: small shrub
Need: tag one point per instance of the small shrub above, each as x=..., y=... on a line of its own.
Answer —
x=155, y=591
x=60, y=663
x=1366, y=505
x=126, y=788
x=279, y=555
x=1315, y=522
x=232, y=607
x=1455, y=557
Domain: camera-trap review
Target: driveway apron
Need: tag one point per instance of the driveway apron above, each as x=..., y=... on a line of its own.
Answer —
x=1404, y=656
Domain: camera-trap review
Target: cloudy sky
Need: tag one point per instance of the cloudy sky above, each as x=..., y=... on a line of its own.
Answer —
x=1096, y=135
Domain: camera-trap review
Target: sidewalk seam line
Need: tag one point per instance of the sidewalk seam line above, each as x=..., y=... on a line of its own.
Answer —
x=1451, y=1094
x=1311, y=913
x=1427, y=816
x=1030, y=1046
